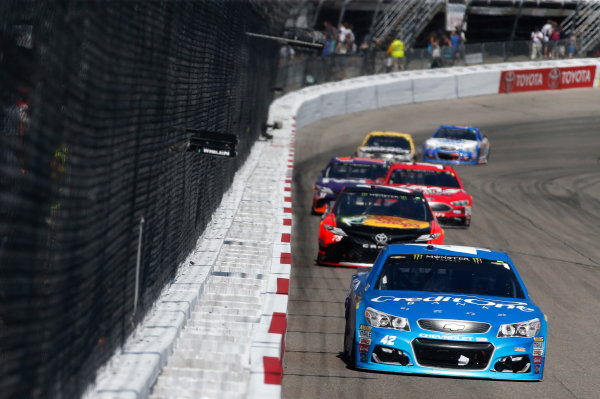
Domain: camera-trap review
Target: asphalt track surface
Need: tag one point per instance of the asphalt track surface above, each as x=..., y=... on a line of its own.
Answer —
x=538, y=199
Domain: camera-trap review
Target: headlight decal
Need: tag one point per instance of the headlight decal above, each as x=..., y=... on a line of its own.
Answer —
x=384, y=320
x=526, y=329
x=335, y=230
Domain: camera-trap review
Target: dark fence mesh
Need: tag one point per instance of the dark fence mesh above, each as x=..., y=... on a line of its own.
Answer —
x=90, y=91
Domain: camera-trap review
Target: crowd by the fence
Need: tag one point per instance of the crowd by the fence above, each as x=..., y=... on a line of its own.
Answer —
x=342, y=58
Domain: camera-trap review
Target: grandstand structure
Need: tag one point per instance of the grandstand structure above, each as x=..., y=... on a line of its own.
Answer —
x=485, y=20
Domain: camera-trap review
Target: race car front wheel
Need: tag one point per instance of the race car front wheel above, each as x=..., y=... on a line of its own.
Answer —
x=350, y=356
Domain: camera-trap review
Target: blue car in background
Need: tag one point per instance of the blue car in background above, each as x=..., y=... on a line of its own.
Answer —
x=342, y=171
x=446, y=311
x=453, y=144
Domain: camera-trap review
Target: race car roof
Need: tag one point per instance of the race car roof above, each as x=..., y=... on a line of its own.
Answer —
x=407, y=136
x=422, y=166
x=450, y=250
x=458, y=127
x=380, y=189
x=358, y=160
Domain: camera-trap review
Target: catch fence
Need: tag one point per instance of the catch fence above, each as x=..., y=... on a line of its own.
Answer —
x=311, y=67
x=91, y=182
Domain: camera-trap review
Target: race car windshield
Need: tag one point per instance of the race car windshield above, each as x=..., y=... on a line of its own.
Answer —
x=388, y=141
x=354, y=203
x=456, y=134
x=355, y=171
x=449, y=274
x=424, y=177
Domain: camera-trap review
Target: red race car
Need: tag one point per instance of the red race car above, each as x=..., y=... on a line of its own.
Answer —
x=365, y=218
x=444, y=191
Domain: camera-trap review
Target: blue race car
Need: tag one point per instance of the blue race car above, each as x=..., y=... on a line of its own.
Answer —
x=457, y=145
x=446, y=311
x=343, y=171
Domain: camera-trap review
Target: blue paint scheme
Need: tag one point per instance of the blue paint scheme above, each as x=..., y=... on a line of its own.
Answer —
x=415, y=305
x=438, y=154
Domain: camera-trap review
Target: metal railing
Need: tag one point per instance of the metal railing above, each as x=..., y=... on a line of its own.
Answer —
x=309, y=69
x=585, y=23
x=406, y=19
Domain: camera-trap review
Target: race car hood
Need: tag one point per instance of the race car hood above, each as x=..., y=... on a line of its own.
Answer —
x=418, y=304
x=438, y=194
x=378, y=221
x=452, y=145
x=338, y=184
x=384, y=150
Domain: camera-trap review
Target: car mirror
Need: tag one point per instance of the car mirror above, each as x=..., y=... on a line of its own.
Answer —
x=379, y=180
x=327, y=210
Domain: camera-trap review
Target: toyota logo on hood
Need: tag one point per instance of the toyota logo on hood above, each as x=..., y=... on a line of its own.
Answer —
x=381, y=239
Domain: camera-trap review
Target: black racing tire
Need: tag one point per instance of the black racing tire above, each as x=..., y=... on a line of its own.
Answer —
x=466, y=223
x=320, y=259
x=351, y=356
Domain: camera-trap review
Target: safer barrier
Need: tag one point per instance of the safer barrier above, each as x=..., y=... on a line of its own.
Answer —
x=371, y=92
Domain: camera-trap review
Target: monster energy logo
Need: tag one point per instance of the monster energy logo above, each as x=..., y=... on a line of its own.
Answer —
x=418, y=256
x=477, y=260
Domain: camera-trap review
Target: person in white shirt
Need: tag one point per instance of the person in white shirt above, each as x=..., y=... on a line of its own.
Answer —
x=537, y=38
x=547, y=32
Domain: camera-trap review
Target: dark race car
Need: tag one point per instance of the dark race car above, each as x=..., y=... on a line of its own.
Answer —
x=445, y=311
x=366, y=218
x=342, y=171
x=456, y=145
x=449, y=201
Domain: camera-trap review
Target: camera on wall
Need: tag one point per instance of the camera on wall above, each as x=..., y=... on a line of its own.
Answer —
x=208, y=143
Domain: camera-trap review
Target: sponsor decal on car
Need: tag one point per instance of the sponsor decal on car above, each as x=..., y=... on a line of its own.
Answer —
x=366, y=328
x=519, y=349
x=538, y=345
x=537, y=360
x=432, y=189
x=538, y=339
x=484, y=303
x=453, y=337
x=385, y=221
x=363, y=348
x=537, y=369
x=538, y=352
x=364, y=334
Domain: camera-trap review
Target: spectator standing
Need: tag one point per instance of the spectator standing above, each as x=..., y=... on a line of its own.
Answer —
x=554, y=38
x=396, y=51
x=456, y=45
x=537, y=39
x=286, y=55
x=547, y=32
x=572, y=45
x=436, y=53
x=331, y=37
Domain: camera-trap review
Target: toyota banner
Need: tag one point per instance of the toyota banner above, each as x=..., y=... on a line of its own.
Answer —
x=547, y=79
